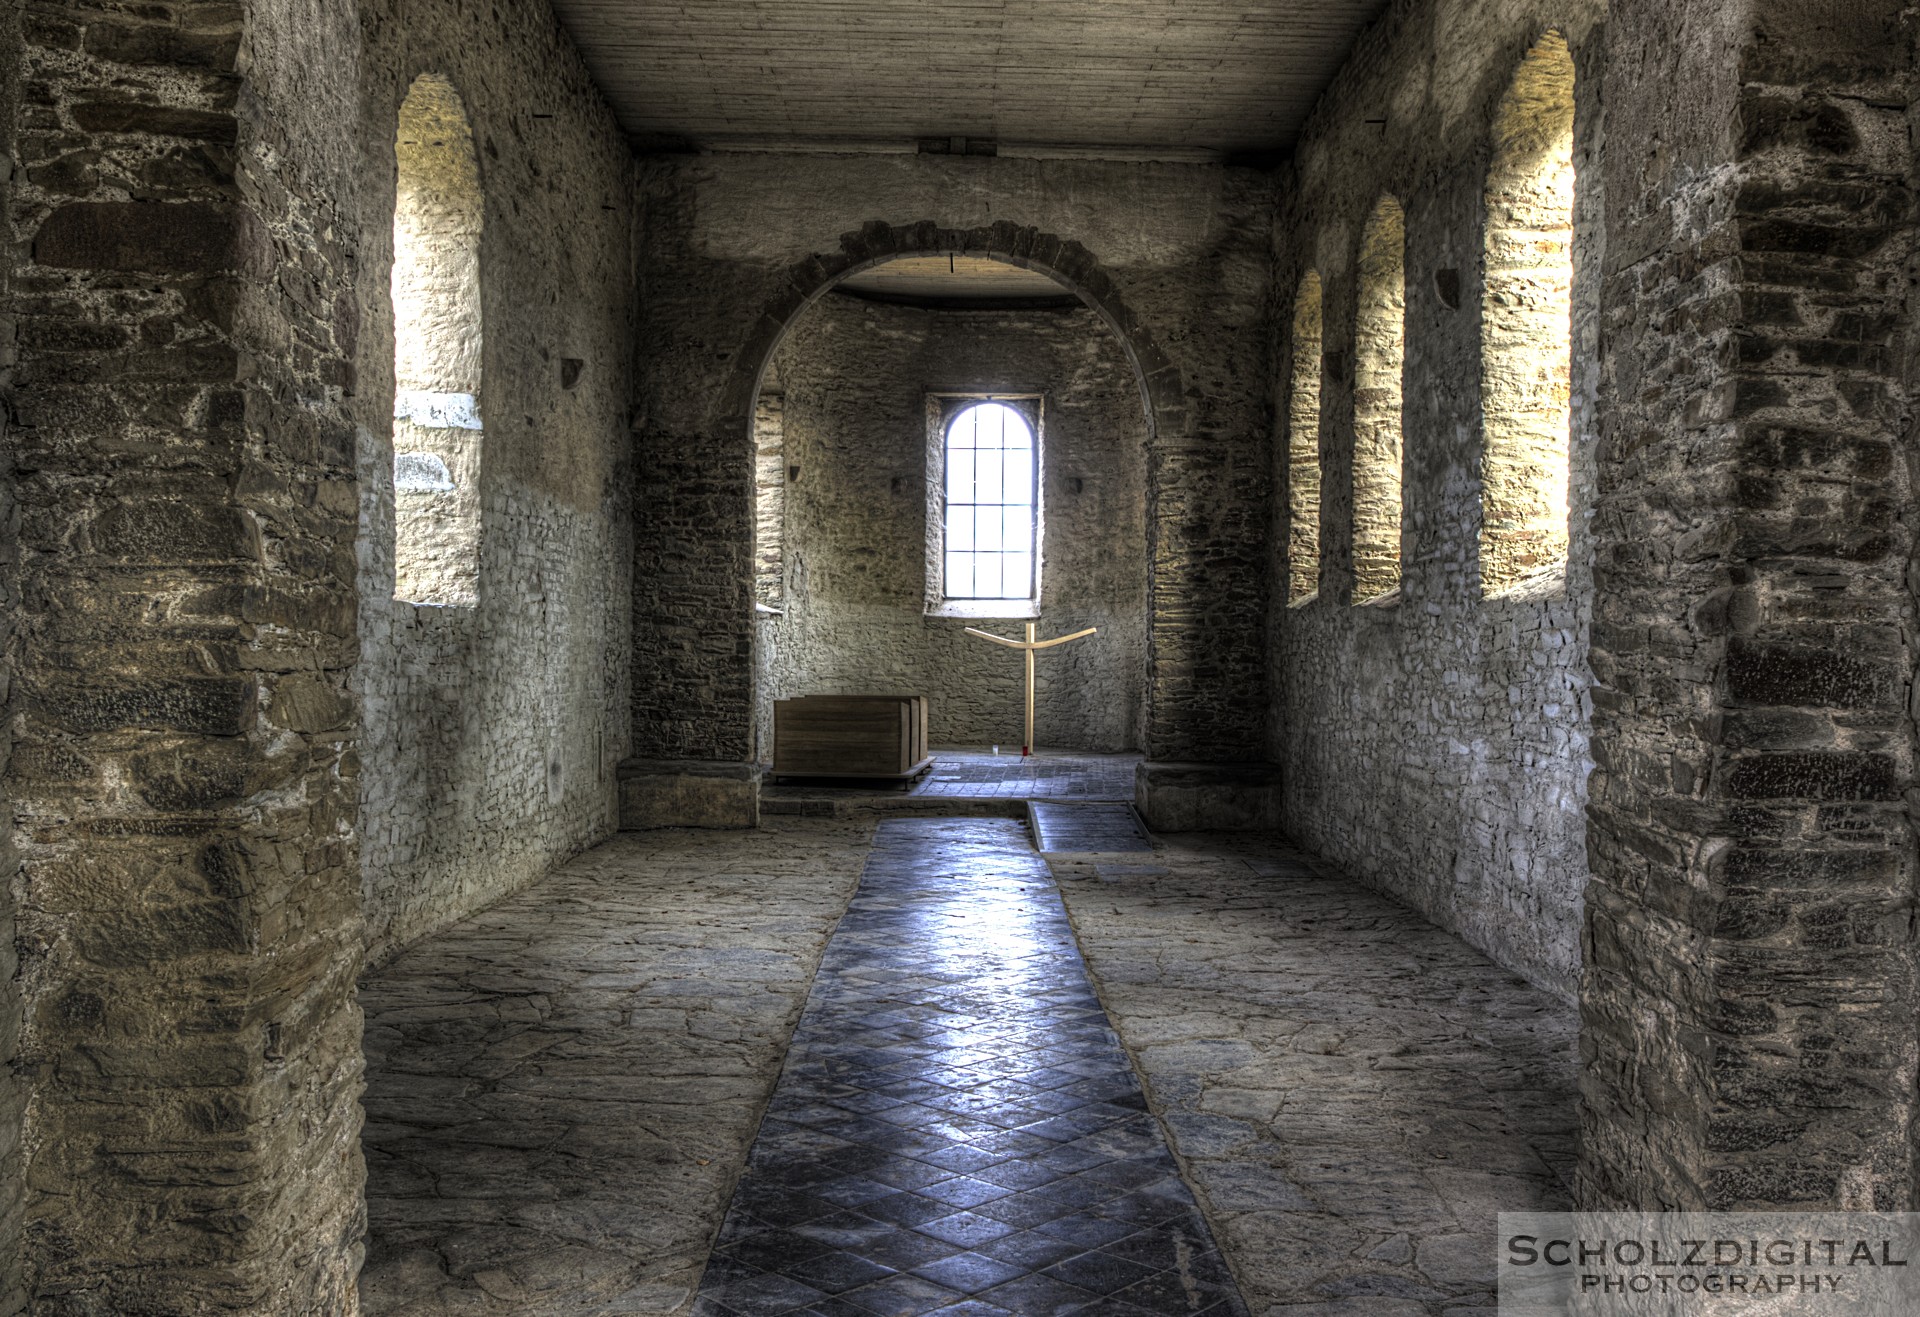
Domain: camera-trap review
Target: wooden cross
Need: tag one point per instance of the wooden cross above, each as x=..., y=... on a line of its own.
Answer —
x=1028, y=646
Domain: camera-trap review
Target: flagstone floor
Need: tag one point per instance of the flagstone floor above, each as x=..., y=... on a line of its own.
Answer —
x=563, y=1092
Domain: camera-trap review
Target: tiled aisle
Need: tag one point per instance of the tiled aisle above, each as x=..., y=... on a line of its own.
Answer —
x=974, y=775
x=1049, y=773
x=956, y=1129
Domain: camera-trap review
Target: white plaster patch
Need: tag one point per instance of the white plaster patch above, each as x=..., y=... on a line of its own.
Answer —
x=420, y=473
x=437, y=411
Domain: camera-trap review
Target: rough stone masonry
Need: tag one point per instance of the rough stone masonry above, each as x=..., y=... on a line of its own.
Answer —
x=1673, y=780
x=854, y=378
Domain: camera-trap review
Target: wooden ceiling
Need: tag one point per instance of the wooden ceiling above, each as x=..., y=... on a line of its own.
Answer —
x=1171, y=77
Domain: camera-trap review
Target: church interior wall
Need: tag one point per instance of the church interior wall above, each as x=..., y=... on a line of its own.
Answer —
x=492, y=725
x=1434, y=742
x=738, y=242
x=853, y=378
x=201, y=393
x=1675, y=778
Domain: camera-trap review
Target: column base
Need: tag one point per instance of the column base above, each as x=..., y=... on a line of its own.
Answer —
x=688, y=793
x=1208, y=797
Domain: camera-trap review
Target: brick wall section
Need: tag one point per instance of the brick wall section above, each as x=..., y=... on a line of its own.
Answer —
x=491, y=730
x=855, y=377
x=1176, y=256
x=1748, y=1007
x=183, y=777
x=1434, y=744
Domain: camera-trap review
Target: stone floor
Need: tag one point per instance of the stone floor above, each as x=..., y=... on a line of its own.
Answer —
x=563, y=1092
x=1354, y=1092
x=977, y=775
x=956, y=1130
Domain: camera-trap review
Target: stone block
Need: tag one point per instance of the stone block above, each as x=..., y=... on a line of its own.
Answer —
x=152, y=44
x=174, y=533
x=1814, y=776
x=202, y=775
x=1807, y=676
x=211, y=706
x=191, y=237
x=307, y=703
x=1187, y=797
x=157, y=120
x=688, y=794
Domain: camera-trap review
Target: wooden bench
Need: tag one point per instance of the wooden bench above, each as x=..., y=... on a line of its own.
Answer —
x=872, y=737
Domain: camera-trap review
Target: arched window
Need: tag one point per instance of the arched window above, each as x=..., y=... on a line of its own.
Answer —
x=1303, y=446
x=436, y=336
x=1379, y=353
x=1527, y=326
x=989, y=520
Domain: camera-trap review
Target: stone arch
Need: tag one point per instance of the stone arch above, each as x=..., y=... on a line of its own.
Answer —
x=1069, y=264
x=1064, y=261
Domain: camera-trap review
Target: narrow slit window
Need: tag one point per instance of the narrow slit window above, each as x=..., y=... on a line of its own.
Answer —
x=989, y=517
x=769, y=501
x=1526, y=353
x=437, y=345
x=1380, y=351
x=1303, y=447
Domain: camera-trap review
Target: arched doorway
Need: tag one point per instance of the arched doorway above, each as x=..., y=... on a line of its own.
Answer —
x=881, y=532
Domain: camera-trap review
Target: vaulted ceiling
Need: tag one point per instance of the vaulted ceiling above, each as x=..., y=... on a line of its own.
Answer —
x=1125, y=77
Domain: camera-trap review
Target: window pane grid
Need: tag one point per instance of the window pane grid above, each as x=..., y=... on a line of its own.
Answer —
x=989, y=521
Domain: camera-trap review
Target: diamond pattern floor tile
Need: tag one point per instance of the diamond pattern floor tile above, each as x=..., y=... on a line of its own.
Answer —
x=956, y=1130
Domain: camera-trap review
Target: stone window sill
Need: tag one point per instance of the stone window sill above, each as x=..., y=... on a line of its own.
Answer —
x=1541, y=585
x=991, y=610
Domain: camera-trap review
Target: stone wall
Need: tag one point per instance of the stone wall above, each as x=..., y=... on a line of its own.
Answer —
x=1175, y=257
x=854, y=377
x=199, y=389
x=13, y=1188
x=183, y=778
x=492, y=726
x=1433, y=740
x=1749, y=998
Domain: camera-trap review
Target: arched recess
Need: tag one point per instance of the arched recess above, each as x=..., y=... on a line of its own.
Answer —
x=1526, y=357
x=437, y=220
x=1172, y=565
x=1379, y=357
x=1303, y=446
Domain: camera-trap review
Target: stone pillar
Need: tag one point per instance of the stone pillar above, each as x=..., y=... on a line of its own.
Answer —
x=13, y=1297
x=183, y=770
x=1748, y=1001
x=1207, y=618
x=693, y=632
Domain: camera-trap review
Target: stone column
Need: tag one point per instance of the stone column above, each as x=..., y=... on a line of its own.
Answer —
x=1748, y=1001
x=183, y=772
x=13, y=1297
